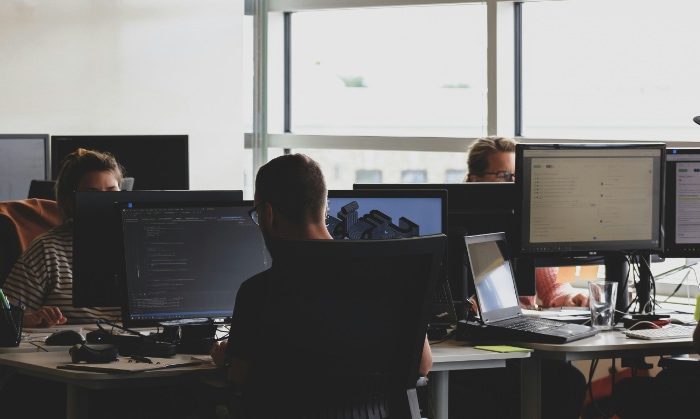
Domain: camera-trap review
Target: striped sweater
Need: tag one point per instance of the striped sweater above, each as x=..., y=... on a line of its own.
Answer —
x=43, y=276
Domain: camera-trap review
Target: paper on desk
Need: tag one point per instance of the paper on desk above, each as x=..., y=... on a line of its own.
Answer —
x=124, y=366
x=503, y=348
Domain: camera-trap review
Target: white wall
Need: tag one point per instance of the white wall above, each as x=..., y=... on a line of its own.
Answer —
x=74, y=67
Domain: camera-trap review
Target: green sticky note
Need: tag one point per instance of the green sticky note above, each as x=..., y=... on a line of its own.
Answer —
x=503, y=348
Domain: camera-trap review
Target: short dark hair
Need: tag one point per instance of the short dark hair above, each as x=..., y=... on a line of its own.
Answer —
x=479, y=151
x=294, y=185
x=73, y=167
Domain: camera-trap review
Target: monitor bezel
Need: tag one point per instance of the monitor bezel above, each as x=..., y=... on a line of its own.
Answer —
x=589, y=248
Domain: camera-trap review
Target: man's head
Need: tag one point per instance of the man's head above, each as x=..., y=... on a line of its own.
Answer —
x=85, y=170
x=291, y=198
x=491, y=159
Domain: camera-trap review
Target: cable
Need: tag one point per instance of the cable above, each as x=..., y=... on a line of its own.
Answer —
x=134, y=332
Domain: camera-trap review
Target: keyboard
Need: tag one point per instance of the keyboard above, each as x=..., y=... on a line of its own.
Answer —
x=531, y=324
x=666, y=332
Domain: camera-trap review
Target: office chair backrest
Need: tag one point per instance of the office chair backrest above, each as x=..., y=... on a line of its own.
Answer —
x=42, y=189
x=20, y=222
x=127, y=184
x=45, y=189
x=345, y=324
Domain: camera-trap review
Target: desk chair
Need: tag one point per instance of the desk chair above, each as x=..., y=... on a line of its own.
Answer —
x=46, y=189
x=20, y=222
x=345, y=324
x=42, y=189
x=127, y=184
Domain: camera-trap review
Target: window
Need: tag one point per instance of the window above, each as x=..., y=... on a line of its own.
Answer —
x=401, y=71
x=598, y=69
x=368, y=176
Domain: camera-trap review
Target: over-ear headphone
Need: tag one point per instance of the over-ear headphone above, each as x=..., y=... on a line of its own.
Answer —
x=82, y=353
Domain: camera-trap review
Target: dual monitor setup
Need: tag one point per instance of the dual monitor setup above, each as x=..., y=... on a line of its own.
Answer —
x=157, y=162
x=611, y=204
x=178, y=258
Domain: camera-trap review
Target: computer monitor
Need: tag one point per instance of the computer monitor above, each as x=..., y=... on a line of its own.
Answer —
x=157, y=162
x=682, y=239
x=474, y=208
x=386, y=214
x=591, y=200
x=185, y=261
x=23, y=157
x=97, y=239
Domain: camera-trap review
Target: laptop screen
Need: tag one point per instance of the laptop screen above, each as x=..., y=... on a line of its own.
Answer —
x=492, y=272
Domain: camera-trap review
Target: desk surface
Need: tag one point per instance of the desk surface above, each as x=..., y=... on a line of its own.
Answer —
x=44, y=364
x=454, y=355
x=610, y=344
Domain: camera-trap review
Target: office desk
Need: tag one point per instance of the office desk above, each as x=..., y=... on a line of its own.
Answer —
x=604, y=345
x=79, y=383
x=452, y=355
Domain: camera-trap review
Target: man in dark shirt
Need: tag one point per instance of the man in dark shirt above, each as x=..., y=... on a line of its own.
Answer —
x=290, y=203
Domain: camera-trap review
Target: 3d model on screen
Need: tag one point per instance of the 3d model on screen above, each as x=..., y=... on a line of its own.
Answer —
x=373, y=225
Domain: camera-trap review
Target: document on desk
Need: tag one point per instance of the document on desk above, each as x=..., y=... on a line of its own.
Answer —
x=124, y=366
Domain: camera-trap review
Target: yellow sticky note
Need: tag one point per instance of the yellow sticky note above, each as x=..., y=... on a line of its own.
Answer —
x=503, y=348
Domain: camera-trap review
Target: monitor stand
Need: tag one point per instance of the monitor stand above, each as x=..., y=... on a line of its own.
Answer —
x=617, y=270
x=192, y=336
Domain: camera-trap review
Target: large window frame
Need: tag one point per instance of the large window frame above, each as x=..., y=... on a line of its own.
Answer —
x=271, y=101
x=271, y=17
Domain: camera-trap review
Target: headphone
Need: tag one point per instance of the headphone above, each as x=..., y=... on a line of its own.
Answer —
x=83, y=353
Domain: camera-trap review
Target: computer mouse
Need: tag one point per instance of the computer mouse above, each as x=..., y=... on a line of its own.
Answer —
x=65, y=338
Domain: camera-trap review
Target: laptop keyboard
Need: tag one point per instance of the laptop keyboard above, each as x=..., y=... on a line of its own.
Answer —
x=531, y=324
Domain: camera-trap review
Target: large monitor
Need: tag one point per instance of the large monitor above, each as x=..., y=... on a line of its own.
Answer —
x=23, y=158
x=386, y=214
x=682, y=213
x=98, y=254
x=156, y=162
x=582, y=199
x=593, y=199
x=185, y=261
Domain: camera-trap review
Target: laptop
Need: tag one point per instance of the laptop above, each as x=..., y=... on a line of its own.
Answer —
x=497, y=298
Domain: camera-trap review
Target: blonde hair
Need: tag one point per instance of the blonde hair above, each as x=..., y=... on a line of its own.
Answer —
x=73, y=167
x=479, y=151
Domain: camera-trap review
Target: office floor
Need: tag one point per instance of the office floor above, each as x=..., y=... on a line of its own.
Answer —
x=23, y=396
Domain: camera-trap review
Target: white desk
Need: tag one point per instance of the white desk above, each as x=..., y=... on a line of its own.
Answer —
x=453, y=355
x=43, y=365
x=604, y=345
